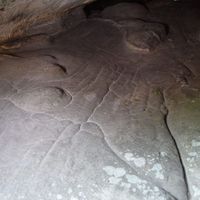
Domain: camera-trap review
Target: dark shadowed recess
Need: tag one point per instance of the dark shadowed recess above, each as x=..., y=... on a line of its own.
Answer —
x=101, y=4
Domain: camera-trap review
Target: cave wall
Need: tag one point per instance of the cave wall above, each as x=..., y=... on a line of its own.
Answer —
x=18, y=17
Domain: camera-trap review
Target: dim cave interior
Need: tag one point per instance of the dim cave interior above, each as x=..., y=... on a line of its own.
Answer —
x=99, y=100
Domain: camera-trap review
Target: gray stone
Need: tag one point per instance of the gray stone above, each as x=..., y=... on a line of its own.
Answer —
x=86, y=117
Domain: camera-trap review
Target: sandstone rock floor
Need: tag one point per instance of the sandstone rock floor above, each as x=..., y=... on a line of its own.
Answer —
x=109, y=110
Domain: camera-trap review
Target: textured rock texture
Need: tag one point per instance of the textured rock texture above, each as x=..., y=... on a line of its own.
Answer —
x=108, y=109
x=19, y=17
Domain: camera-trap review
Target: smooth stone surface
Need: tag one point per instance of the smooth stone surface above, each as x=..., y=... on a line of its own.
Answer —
x=124, y=11
x=143, y=36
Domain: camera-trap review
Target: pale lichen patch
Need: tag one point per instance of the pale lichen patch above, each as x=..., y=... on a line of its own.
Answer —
x=59, y=196
x=116, y=172
x=114, y=180
x=196, y=191
x=138, y=161
x=195, y=143
x=157, y=168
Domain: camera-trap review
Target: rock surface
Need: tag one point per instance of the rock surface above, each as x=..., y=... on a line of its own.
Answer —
x=84, y=116
x=142, y=35
x=124, y=11
x=19, y=17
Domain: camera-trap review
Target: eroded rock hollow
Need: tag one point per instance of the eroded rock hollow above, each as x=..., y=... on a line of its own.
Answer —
x=99, y=100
